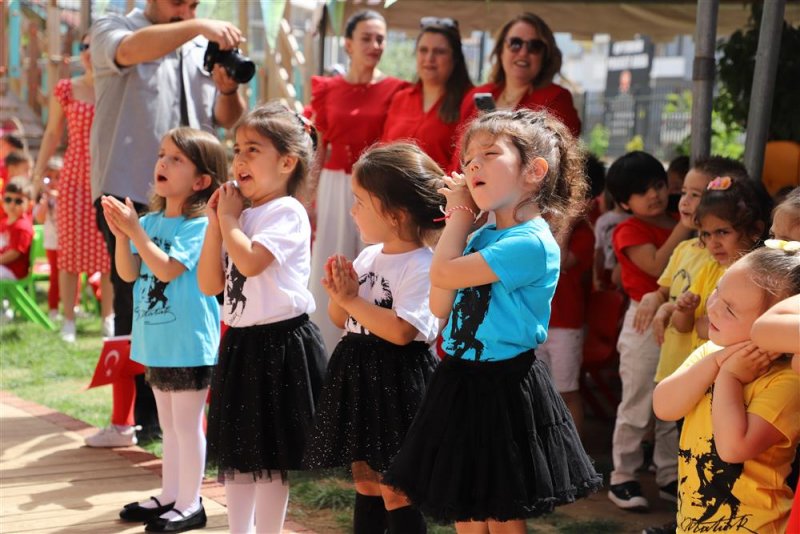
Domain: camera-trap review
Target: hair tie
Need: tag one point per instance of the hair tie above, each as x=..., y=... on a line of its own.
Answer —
x=720, y=183
x=779, y=244
x=309, y=128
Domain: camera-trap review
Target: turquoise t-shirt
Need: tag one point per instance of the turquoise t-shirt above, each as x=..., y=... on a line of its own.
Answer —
x=174, y=324
x=501, y=320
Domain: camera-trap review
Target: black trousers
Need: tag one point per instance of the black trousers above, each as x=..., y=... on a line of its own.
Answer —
x=144, y=410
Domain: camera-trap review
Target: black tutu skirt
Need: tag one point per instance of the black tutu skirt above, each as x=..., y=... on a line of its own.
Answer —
x=492, y=440
x=263, y=394
x=372, y=391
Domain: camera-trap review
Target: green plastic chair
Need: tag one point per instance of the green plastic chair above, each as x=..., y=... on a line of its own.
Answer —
x=21, y=293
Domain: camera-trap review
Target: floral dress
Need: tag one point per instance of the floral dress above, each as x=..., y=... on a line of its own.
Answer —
x=81, y=248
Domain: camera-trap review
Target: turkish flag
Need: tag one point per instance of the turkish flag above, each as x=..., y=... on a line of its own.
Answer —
x=114, y=361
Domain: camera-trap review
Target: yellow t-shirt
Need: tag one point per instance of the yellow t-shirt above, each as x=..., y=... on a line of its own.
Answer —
x=715, y=496
x=704, y=284
x=686, y=261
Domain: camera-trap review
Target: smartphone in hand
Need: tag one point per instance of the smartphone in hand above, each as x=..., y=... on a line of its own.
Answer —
x=484, y=101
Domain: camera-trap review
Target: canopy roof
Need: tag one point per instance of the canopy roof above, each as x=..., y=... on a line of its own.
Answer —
x=659, y=20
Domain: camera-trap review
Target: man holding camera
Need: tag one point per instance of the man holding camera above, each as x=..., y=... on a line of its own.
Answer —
x=149, y=78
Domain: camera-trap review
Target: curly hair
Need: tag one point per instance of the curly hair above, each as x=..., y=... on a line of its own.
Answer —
x=742, y=204
x=562, y=195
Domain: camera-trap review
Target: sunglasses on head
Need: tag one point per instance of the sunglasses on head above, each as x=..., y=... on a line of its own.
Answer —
x=534, y=46
x=447, y=22
x=83, y=47
x=14, y=200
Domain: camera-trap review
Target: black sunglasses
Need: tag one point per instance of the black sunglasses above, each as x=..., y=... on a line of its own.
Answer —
x=447, y=22
x=534, y=46
x=83, y=47
x=12, y=200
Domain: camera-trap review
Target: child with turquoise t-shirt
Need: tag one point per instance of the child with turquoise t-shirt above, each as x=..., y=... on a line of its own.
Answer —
x=493, y=442
x=175, y=327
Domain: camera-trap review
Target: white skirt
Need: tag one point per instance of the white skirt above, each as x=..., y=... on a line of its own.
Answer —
x=336, y=234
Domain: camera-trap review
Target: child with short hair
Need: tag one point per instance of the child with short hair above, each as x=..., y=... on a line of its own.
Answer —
x=18, y=163
x=677, y=170
x=605, y=261
x=643, y=245
x=16, y=230
x=740, y=404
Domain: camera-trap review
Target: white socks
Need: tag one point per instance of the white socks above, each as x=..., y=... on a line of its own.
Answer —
x=180, y=414
x=264, y=500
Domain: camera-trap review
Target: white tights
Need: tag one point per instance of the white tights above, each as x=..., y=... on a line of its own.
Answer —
x=263, y=500
x=180, y=414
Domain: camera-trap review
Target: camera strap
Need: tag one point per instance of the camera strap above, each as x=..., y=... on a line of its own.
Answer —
x=184, y=105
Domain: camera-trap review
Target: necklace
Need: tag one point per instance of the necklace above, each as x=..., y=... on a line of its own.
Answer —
x=506, y=101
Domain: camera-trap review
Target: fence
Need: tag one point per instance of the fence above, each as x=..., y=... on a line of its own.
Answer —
x=653, y=122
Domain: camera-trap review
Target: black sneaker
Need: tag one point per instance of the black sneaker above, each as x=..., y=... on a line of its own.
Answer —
x=628, y=496
x=669, y=528
x=669, y=492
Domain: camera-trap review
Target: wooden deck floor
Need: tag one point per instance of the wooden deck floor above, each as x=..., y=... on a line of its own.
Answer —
x=51, y=483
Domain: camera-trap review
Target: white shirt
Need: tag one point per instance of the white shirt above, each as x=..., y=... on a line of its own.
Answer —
x=280, y=291
x=400, y=282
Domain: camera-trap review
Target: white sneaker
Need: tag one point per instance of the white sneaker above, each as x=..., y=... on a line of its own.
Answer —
x=108, y=326
x=68, y=331
x=53, y=314
x=113, y=436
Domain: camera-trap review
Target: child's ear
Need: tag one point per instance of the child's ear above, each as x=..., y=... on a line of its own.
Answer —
x=537, y=170
x=203, y=182
x=289, y=163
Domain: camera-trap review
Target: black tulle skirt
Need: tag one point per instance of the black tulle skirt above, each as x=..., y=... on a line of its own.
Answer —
x=372, y=391
x=492, y=440
x=263, y=394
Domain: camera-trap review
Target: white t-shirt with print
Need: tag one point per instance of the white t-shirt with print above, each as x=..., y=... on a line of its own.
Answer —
x=280, y=291
x=400, y=282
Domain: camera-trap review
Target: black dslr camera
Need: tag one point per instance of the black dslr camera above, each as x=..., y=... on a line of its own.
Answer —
x=238, y=67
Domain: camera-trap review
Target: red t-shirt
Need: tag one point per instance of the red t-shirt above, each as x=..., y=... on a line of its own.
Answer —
x=350, y=116
x=629, y=233
x=17, y=236
x=568, y=309
x=407, y=120
x=794, y=517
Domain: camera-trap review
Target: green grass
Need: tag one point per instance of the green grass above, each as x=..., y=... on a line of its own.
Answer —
x=36, y=365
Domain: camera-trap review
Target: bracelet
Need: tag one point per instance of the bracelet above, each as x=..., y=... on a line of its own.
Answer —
x=450, y=211
x=229, y=93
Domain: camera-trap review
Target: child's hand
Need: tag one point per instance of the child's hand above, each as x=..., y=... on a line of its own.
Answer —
x=457, y=193
x=211, y=209
x=341, y=280
x=687, y=302
x=748, y=363
x=661, y=321
x=647, y=309
x=120, y=217
x=230, y=202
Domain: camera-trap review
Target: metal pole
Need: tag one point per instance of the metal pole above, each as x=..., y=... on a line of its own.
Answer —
x=703, y=77
x=85, y=16
x=761, y=95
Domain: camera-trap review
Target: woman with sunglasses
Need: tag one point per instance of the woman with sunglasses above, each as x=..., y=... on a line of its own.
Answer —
x=428, y=112
x=81, y=248
x=526, y=59
x=349, y=111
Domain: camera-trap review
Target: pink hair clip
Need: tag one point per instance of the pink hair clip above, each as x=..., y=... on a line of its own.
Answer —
x=720, y=183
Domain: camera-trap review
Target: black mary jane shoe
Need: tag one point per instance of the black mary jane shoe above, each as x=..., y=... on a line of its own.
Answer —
x=135, y=512
x=189, y=522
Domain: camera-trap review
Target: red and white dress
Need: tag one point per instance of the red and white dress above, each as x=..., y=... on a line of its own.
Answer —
x=350, y=117
x=81, y=248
